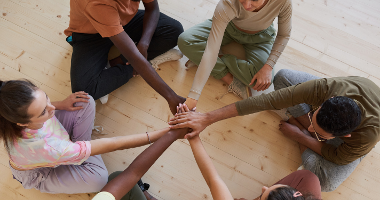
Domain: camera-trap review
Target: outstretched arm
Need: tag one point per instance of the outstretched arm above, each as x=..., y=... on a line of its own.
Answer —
x=129, y=50
x=124, y=182
x=217, y=187
x=199, y=121
x=105, y=145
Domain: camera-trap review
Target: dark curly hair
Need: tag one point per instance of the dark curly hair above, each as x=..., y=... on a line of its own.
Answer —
x=287, y=193
x=339, y=116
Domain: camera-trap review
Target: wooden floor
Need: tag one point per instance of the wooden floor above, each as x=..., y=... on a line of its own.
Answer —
x=329, y=38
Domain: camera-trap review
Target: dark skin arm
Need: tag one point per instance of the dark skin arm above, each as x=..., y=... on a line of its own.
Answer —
x=124, y=182
x=129, y=50
x=151, y=16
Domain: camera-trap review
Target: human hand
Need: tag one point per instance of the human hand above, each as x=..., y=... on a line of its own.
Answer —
x=191, y=103
x=174, y=102
x=197, y=122
x=263, y=78
x=68, y=103
x=291, y=131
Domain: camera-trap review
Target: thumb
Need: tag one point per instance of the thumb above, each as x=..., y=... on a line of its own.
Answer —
x=190, y=135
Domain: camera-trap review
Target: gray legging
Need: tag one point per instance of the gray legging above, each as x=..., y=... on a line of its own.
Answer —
x=330, y=174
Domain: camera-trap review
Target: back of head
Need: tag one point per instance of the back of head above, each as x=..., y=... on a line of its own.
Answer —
x=288, y=193
x=339, y=116
x=15, y=98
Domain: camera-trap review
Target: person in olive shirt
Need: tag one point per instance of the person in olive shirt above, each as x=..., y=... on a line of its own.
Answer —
x=334, y=120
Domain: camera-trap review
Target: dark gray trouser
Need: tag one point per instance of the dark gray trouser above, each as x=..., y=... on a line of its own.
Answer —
x=330, y=174
x=90, y=55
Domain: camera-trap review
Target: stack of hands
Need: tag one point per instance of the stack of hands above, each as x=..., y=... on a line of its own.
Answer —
x=186, y=118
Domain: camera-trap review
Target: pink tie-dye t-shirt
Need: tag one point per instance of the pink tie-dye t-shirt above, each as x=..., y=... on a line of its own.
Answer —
x=49, y=146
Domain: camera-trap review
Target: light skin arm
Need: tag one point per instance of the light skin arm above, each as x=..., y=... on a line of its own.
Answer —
x=68, y=103
x=199, y=121
x=217, y=187
x=105, y=145
x=124, y=182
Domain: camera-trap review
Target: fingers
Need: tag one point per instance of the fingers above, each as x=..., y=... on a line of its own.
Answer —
x=76, y=108
x=191, y=135
x=178, y=121
x=177, y=126
x=186, y=108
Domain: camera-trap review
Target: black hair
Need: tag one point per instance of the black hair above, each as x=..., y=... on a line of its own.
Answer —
x=287, y=193
x=15, y=98
x=339, y=116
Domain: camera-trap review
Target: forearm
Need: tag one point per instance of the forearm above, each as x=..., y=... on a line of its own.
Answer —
x=119, y=186
x=203, y=160
x=217, y=186
x=311, y=143
x=151, y=16
x=105, y=145
x=222, y=113
x=129, y=50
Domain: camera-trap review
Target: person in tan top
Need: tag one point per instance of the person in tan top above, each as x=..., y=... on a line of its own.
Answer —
x=334, y=120
x=248, y=23
x=140, y=35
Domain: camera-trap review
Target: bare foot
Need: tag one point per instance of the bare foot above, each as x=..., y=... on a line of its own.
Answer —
x=148, y=196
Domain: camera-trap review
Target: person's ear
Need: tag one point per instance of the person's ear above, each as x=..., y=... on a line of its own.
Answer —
x=349, y=135
x=22, y=125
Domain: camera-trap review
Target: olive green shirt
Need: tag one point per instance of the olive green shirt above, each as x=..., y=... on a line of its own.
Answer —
x=315, y=92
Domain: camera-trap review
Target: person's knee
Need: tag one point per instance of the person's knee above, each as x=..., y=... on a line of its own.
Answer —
x=177, y=28
x=87, y=106
x=281, y=79
x=183, y=43
x=99, y=180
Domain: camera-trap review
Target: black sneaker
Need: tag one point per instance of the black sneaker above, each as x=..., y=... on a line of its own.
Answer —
x=143, y=186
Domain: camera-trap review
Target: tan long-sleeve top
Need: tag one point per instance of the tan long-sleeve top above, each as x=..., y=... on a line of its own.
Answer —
x=363, y=91
x=233, y=10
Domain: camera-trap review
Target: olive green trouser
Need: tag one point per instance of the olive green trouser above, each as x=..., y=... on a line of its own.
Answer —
x=257, y=47
x=134, y=194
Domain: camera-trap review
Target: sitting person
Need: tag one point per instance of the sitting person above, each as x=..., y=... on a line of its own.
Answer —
x=140, y=35
x=249, y=23
x=346, y=114
x=49, y=143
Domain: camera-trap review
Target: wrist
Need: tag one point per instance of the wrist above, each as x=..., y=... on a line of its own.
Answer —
x=267, y=67
x=210, y=118
x=143, y=44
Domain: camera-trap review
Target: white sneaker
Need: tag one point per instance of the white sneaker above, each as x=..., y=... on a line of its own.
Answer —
x=171, y=55
x=283, y=113
x=301, y=168
x=104, y=99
